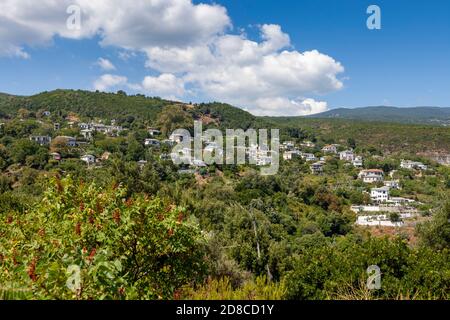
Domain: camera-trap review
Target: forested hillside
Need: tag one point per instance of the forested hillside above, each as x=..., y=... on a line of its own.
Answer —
x=385, y=136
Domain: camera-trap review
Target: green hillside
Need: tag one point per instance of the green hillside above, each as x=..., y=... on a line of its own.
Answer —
x=85, y=103
x=383, y=135
x=119, y=105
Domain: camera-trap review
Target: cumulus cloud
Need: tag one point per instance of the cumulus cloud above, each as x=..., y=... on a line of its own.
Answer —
x=105, y=64
x=109, y=81
x=127, y=24
x=264, y=77
x=166, y=86
x=187, y=45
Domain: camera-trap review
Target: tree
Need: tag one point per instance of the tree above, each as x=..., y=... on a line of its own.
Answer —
x=174, y=117
x=436, y=233
x=394, y=217
x=351, y=143
x=23, y=148
x=84, y=242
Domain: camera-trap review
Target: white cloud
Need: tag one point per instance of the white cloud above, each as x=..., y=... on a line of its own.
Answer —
x=127, y=24
x=264, y=77
x=126, y=55
x=187, y=45
x=13, y=51
x=105, y=64
x=282, y=106
x=109, y=81
x=166, y=86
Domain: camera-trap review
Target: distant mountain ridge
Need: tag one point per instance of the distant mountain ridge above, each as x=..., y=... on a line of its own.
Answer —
x=424, y=115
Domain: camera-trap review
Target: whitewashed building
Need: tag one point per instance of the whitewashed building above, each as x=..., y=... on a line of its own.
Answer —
x=331, y=148
x=379, y=194
x=154, y=132
x=357, y=161
x=371, y=175
x=88, y=158
x=177, y=138
x=309, y=157
x=400, y=201
x=152, y=143
x=87, y=133
x=393, y=184
x=288, y=145
x=70, y=141
x=42, y=140
x=347, y=155
x=289, y=155
x=407, y=164
x=317, y=168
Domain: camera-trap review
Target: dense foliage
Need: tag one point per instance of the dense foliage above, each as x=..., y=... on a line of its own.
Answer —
x=125, y=248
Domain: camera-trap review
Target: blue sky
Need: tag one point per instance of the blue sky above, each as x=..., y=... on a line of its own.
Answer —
x=406, y=63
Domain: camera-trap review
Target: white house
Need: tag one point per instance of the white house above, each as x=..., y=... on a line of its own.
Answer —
x=331, y=148
x=288, y=145
x=317, y=168
x=371, y=175
x=407, y=164
x=379, y=194
x=307, y=144
x=393, y=184
x=177, y=138
x=112, y=130
x=151, y=143
x=357, y=161
x=55, y=156
x=289, y=155
x=70, y=141
x=88, y=158
x=87, y=133
x=347, y=155
x=83, y=126
x=399, y=201
x=42, y=140
x=154, y=132
x=309, y=157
